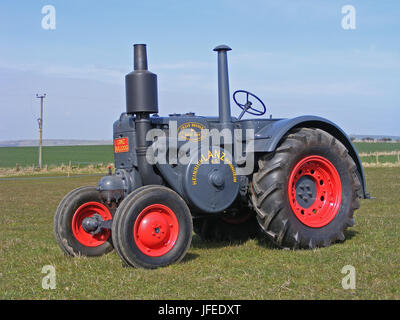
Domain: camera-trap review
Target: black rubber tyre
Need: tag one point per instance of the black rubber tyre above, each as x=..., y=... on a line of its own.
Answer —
x=63, y=218
x=220, y=229
x=114, y=229
x=152, y=206
x=270, y=190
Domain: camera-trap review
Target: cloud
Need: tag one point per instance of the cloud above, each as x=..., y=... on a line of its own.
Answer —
x=106, y=74
x=345, y=58
x=312, y=88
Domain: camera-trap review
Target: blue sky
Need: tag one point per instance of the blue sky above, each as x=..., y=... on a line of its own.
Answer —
x=295, y=55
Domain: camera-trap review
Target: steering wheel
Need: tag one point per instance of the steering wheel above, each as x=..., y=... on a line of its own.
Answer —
x=248, y=105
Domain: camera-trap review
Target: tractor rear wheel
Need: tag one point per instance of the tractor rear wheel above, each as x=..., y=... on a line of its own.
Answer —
x=305, y=193
x=152, y=228
x=81, y=203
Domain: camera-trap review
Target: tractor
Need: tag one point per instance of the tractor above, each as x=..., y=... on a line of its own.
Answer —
x=295, y=182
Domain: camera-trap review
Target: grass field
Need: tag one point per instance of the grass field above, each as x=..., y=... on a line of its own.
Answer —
x=368, y=147
x=84, y=155
x=27, y=156
x=250, y=270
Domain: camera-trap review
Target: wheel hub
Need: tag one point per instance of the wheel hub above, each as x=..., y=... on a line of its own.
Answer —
x=86, y=224
x=315, y=191
x=156, y=230
x=306, y=191
x=91, y=224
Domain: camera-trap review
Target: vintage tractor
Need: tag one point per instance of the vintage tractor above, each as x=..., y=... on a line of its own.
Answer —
x=295, y=181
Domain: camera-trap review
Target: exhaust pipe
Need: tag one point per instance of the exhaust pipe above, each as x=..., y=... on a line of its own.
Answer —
x=141, y=84
x=142, y=100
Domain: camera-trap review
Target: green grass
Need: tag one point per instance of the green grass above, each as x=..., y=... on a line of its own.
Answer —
x=368, y=147
x=366, y=150
x=382, y=159
x=27, y=156
x=250, y=270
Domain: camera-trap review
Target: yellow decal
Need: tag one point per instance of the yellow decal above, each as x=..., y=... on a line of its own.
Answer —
x=191, y=131
x=213, y=158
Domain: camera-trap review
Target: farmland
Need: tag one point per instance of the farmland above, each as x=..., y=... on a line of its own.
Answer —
x=369, y=147
x=55, y=156
x=84, y=155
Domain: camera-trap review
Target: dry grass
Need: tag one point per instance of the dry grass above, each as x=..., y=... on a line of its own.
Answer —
x=381, y=165
x=63, y=170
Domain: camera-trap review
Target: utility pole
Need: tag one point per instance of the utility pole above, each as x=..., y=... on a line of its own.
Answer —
x=40, y=122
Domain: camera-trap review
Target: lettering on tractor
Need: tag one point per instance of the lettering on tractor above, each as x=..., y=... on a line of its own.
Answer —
x=301, y=191
x=213, y=157
x=121, y=145
x=191, y=131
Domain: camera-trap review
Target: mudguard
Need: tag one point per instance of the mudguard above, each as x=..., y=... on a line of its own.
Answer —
x=268, y=138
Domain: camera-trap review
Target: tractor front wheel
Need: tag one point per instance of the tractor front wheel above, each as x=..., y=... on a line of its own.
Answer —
x=152, y=228
x=305, y=193
x=79, y=204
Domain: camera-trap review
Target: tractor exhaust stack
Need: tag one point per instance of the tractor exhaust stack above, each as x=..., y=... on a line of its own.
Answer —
x=141, y=85
x=142, y=100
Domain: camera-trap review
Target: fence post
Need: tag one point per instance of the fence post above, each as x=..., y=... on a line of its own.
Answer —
x=69, y=167
x=377, y=158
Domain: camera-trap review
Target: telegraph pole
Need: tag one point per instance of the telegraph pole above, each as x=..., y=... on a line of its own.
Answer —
x=40, y=122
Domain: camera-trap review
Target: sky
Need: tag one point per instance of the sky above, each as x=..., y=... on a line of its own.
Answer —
x=293, y=54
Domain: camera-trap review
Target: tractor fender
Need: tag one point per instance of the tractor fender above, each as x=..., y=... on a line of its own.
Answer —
x=268, y=138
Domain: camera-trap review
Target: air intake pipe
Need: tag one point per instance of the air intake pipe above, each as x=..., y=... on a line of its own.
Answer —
x=224, y=106
x=142, y=100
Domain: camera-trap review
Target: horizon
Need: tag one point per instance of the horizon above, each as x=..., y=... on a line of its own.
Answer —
x=296, y=56
x=68, y=142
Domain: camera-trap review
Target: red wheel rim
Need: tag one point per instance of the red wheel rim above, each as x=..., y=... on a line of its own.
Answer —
x=87, y=210
x=315, y=191
x=156, y=230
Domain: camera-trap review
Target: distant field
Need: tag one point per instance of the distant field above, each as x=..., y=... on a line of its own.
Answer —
x=368, y=147
x=27, y=156
x=378, y=152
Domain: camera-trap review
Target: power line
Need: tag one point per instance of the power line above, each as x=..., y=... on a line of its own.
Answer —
x=40, y=122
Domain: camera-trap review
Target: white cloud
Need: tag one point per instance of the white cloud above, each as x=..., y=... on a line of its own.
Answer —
x=106, y=74
x=330, y=88
x=353, y=58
